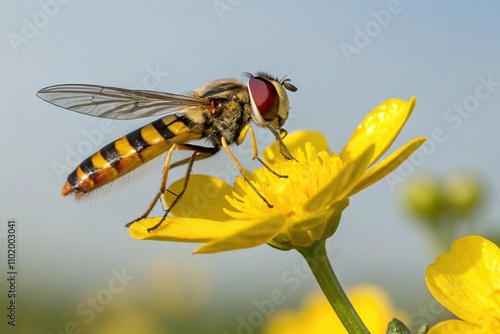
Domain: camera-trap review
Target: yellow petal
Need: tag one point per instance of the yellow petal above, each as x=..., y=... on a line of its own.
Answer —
x=333, y=223
x=320, y=217
x=454, y=326
x=380, y=128
x=182, y=229
x=293, y=141
x=467, y=279
x=309, y=229
x=342, y=183
x=251, y=233
x=387, y=165
x=204, y=198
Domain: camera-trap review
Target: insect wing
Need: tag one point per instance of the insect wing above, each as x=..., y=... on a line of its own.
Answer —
x=118, y=103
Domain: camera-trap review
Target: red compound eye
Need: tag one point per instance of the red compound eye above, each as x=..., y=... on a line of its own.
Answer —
x=265, y=97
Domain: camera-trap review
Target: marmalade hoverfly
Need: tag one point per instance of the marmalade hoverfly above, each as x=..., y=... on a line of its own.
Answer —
x=219, y=112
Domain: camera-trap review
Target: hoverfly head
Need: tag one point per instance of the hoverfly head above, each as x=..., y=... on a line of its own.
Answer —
x=269, y=102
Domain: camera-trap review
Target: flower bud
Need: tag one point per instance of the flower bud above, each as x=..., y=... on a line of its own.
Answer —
x=463, y=192
x=423, y=198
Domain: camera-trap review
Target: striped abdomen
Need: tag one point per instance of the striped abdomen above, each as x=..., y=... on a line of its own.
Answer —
x=127, y=153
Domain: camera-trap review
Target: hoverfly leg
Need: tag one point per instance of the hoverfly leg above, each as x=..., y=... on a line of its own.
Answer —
x=269, y=205
x=199, y=152
x=162, y=186
x=271, y=170
x=255, y=151
x=148, y=211
x=178, y=196
x=242, y=170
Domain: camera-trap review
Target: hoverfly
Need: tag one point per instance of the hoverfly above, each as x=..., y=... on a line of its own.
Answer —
x=219, y=112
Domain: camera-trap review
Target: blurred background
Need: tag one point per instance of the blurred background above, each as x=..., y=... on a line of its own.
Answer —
x=78, y=268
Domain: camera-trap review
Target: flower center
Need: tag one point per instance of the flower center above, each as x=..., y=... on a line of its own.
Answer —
x=287, y=195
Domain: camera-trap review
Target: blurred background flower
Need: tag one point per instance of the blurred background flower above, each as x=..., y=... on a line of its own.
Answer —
x=373, y=304
x=449, y=206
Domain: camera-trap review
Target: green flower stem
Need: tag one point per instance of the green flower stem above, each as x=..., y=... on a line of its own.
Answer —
x=317, y=259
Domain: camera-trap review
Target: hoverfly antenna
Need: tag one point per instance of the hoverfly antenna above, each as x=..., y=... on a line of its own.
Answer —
x=288, y=85
x=285, y=82
x=248, y=74
x=284, y=77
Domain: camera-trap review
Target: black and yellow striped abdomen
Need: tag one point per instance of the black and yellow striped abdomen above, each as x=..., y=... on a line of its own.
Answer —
x=129, y=152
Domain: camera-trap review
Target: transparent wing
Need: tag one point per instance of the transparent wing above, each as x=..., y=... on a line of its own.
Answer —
x=118, y=103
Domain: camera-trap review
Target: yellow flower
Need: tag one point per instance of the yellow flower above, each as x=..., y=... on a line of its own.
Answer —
x=306, y=206
x=467, y=282
x=373, y=305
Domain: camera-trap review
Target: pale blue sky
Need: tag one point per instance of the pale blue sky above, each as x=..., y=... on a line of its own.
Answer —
x=439, y=52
